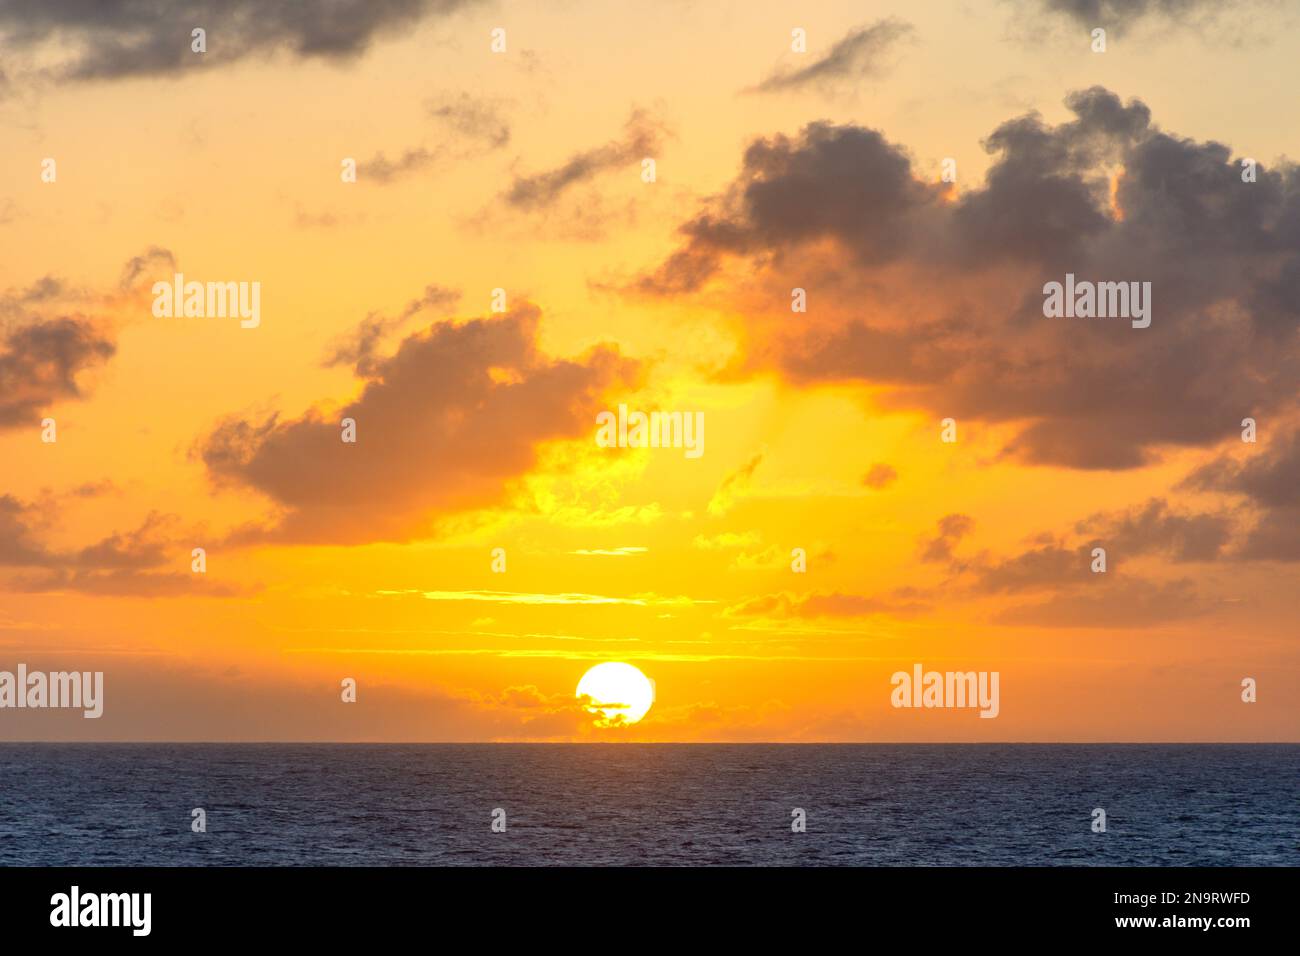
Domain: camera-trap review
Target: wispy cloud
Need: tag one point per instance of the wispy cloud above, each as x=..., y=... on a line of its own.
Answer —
x=609, y=552
x=478, y=119
x=858, y=55
x=734, y=486
x=523, y=597
x=642, y=137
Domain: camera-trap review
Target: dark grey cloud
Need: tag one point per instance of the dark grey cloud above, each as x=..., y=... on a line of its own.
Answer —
x=1269, y=481
x=1047, y=195
x=380, y=169
x=642, y=137
x=18, y=302
x=938, y=295
x=475, y=118
x=444, y=424
x=859, y=54
x=1270, y=478
x=1120, y=15
x=844, y=182
x=114, y=39
x=40, y=363
x=1275, y=537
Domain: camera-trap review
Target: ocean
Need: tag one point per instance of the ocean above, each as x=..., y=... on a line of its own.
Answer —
x=649, y=804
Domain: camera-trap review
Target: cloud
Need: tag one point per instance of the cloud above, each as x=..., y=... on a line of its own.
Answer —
x=358, y=347
x=475, y=122
x=539, y=715
x=380, y=169
x=1150, y=529
x=1270, y=478
x=952, y=528
x=833, y=181
x=522, y=597
x=146, y=264
x=1270, y=483
x=128, y=563
x=765, y=559
x=48, y=342
x=1068, y=593
x=40, y=364
x=901, y=602
x=934, y=300
x=642, y=137
x=94, y=489
x=1108, y=604
x=727, y=539
x=734, y=486
x=17, y=544
x=859, y=54
x=169, y=698
x=17, y=302
x=1047, y=565
x=325, y=220
x=443, y=425
x=624, y=552
x=73, y=41
x=1057, y=577
x=880, y=476
x=1275, y=537
x=1155, y=528
x=1120, y=15
x=477, y=119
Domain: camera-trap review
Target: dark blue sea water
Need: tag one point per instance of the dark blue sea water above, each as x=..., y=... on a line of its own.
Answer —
x=906, y=805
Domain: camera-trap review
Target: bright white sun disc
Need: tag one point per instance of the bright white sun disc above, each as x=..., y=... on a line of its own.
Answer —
x=620, y=694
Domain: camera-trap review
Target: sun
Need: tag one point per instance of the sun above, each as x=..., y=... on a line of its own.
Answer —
x=620, y=694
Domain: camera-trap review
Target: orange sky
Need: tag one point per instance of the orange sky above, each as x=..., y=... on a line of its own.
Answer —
x=523, y=171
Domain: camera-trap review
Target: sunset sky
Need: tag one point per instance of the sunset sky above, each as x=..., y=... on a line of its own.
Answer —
x=522, y=170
